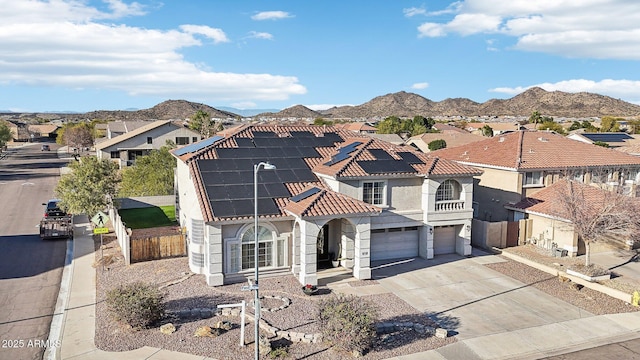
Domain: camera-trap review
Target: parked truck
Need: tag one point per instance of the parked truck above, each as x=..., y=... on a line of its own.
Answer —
x=55, y=224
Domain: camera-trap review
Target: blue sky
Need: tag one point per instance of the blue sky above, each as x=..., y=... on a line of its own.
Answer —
x=75, y=55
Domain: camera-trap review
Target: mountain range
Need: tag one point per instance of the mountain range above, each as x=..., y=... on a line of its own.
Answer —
x=406, y=104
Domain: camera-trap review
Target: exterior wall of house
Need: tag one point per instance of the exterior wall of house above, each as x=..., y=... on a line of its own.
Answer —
x=493, y=189
x=159, y=136
x=545, y=232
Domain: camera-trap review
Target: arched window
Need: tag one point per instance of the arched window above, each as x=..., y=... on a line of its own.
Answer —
x=265, y=247
x=448, y=190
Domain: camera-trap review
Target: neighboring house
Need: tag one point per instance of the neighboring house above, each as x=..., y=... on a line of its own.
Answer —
x=518, y=164
x=333, y=194
x=442, y=127
x=357, y=127
x=549, y=227
x=43, y=130
x=452, y=138
x=125, y=148
x=119, y=127
x=613, y=139
x=18, y=131
x=499, y=127
x=394, y=139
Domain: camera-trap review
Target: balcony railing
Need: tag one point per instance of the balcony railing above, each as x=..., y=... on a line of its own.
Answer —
x=450, y=205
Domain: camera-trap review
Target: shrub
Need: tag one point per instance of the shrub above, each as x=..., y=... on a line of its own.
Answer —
x=348, y=322
x=137, y=304
x=437, y=145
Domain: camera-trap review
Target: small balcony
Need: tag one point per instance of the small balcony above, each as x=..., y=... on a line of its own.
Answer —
x=449, y=205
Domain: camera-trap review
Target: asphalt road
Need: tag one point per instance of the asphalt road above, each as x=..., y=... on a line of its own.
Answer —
x=30, y=268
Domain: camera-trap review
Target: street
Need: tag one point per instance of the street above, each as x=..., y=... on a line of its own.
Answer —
x=30, y=268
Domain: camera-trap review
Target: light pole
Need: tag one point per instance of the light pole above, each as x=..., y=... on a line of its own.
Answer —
x=256, y=301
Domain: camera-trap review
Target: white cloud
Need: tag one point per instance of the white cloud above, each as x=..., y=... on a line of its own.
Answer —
x=319, y=107
x=271, y=15
x=626, y=89
x=420, y=86
x=260, y=35
x=120, y=9
x=217, y=35
x=413, y=11
x=62, y=44
x=586, y=28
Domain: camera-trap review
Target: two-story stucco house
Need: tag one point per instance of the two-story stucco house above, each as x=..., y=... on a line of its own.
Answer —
x=332, y=194
x=140, y=140
x=518, y=164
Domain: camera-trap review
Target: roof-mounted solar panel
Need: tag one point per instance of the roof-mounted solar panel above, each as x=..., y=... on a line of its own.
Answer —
x=337, y=158
x=197, y=146
x=305, y=194
x=410, y=158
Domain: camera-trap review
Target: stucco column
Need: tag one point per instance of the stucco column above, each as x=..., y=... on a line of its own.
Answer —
x=362, y=252
x=463, y=242
x=214, y=270
x=425, y=246
x=308, y=253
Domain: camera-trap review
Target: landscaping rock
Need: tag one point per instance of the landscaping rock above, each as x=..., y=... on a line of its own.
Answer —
x=264, y=344
x=167, y=329
x=223, y=325
x=441, y=333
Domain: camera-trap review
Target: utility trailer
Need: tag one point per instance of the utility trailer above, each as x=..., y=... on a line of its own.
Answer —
x=56, y=228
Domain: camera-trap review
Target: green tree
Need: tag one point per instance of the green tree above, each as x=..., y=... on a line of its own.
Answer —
x=5, y=135
x=150, y=175
x=575, y=126
x=390, y=125
x=601, y=143
x=437, y=144
x=89, y=186
x=609, y=124
x=320, y=121
x=634, y=126
x=552, y=126
x=201, y=122
x=487, y=131
x=535, y=118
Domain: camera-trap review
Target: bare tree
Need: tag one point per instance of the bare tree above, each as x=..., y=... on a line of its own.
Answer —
x=596, y=214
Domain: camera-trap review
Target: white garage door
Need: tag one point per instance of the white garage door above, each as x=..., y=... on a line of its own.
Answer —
x=444, y=240
x=394, y=244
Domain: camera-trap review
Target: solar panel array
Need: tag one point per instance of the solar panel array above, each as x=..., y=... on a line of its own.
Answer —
x=607, y=137
x=197, y=146
x=387, y=164
x=229, y=179
x=343, y=153
x=305, y=194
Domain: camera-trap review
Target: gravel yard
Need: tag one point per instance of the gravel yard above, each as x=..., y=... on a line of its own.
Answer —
x=190, y=292
x=186, y=291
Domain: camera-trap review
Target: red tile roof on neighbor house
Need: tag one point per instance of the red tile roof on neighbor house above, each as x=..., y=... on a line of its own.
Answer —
x=547, y=201
x=532, y=150
x=326, y=202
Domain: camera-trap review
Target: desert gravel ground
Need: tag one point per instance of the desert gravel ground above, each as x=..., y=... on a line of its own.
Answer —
x=185, y=292
x=193, y=292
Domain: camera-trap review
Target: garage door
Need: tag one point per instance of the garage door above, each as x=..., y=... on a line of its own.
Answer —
x=394, y=244
x=444, y=240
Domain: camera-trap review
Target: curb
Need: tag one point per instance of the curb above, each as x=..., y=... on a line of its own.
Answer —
x=59, y=315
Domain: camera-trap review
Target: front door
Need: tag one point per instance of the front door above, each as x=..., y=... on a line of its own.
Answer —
x=322, y=250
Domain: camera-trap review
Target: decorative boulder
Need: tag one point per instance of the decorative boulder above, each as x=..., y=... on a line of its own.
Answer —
x=167, y=329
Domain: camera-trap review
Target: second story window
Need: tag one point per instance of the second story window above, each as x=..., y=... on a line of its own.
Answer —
x=447, y=191
x=532, y=178
x=373, y=192
x=149, y=140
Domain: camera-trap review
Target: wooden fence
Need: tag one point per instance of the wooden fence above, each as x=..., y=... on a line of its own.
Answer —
x=158, y=247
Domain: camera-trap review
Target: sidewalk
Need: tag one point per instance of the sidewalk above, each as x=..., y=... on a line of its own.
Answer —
x=78, y=325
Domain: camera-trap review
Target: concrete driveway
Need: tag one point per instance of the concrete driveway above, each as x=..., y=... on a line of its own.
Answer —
x=492, y=315
x=470, y=299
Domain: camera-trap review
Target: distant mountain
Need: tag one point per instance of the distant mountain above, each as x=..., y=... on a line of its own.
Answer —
x=170, y=109
x=403, y=104
x=555, y=103
x=246, y=112
x=298, y=111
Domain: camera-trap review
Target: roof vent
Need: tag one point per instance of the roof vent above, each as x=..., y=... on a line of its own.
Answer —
x=543, y=139
x=485, y=148
x=531, y=151
x=501, y=139
x=464, y=154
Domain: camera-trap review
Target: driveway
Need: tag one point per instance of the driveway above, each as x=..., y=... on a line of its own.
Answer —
x=469, y=299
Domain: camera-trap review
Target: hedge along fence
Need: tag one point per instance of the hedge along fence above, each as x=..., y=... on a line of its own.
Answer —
x=166, y=243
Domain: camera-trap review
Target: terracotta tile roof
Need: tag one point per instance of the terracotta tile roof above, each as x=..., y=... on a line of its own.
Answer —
x=326, y=202
x=524, y=150
x=452, y=138
x=545, y=202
